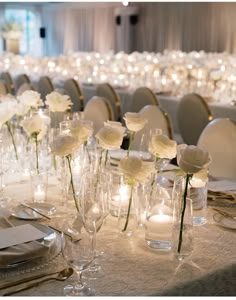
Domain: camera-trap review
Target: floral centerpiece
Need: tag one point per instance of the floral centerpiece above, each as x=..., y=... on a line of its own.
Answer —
x=30, y=100
x=191, y=160
x=65, y=146
x=11, y=30
x=36, y=129
x=135, y=171
x=134, y=122
x=58, y=102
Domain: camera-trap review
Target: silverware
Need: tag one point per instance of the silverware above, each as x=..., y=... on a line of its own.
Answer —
x=35, y=210
x=225, y=214
x=60, y=276
x=25, y=280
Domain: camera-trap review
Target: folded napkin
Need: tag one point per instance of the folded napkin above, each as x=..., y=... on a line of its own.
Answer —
x=22, y=252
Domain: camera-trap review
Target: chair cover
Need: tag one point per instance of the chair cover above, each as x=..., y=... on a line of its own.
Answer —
x=143, y=96
x=193, y=115
x=73, y=90
x=98, y=110
x=6, y=77
x=219, y=138
x=45, y=86
x=105, y=90
x=20, y=80
x=3, y=88
x=24, y=87
x=156, y=118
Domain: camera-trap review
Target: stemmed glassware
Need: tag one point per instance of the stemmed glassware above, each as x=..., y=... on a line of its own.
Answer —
x=93, y=198
x=79, y=255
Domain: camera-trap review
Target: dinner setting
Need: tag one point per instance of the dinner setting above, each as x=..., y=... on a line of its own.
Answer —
x=117, y=170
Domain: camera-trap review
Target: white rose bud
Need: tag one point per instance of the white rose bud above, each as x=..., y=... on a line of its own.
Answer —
x=135, y=169
x=109, y=137
x=134, y=121
x=163, y=147
x=82, y=129
x=30, y=99
x=64, y=145
x=34, y=125
x=58, y=102
x=193, y=159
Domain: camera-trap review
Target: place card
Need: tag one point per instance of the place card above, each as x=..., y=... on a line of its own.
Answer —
x=19, y=234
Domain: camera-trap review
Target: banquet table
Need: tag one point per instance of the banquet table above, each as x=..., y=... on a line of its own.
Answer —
x=168, y=103
x=129, y=266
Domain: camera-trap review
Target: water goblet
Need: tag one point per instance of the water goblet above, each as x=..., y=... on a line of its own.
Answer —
x=78, y=255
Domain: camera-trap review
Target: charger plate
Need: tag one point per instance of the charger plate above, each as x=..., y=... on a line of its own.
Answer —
x=25, y=213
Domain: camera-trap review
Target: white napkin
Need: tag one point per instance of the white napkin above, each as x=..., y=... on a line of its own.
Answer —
x=21, y=252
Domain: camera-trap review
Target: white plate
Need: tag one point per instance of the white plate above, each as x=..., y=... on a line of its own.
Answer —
x=223, y=221
x=25, y=213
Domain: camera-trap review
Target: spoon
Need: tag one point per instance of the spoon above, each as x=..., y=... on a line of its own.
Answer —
x=61, y=276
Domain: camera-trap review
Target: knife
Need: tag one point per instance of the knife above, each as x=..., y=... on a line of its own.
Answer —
x=35, y=210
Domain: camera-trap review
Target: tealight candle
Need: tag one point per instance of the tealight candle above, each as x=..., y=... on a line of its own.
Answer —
x=39, y=194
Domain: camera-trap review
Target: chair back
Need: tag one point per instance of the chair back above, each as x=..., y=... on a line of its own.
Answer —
x=156, y=119
x=219, y=139
x=98, y=110
x=45, y=86
x=105, y=90
x=24, y=87
x=6, y=77
x=20, y=80
x=143, y=96
x=3, y=88
x=72, y=89
x=193, y=115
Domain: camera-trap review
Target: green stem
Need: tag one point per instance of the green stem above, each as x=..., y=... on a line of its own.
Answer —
x=153, y=177
x=37, y=154
x=86, y=148
x=129, y=207
x=106, y=157
x=12, y=138
x=131, y=138
x=68, y=157
x=183, y=211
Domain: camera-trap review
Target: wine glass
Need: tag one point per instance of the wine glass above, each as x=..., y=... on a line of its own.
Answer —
x=93, y=198
x=79, y=255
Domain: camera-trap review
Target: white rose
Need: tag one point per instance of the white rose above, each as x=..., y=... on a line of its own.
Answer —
x=134, y=121
x=30, y=99
x=7, y=111
x=34, y=125
x=192, y=159
x=82, y=129
x=115, y=124
x=22, y=109
x=64, y=145
x=135, y=169
x=109, y=137
x=58, y=102
x=6, y=98
x=163, y=147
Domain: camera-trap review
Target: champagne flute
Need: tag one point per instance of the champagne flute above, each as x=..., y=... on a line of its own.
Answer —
x=78, y=255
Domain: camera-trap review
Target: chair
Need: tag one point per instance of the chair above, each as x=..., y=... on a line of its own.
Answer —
x=193, y=115
x=98, y=110
x=24, y=87
x=219, y=138
x=45, y=86
x=143, y=96
x=6, y=77
x=107, y=91
x=157, y=118
x=20, y=80
x=73, y=90
x=3, y=88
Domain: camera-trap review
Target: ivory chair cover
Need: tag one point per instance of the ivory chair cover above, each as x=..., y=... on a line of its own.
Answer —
x=3, y=88
x=105, y=90
x=219, y=138
x=20, y=80
x=45, y=86
x=143, y=96
x=24, y=87
x=156, y=118
x=193, y=115
x=72, y=89
x=6, y=77
x=98, y=110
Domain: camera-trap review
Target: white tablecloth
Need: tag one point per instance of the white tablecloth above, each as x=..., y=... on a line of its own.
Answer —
x=130, y=268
